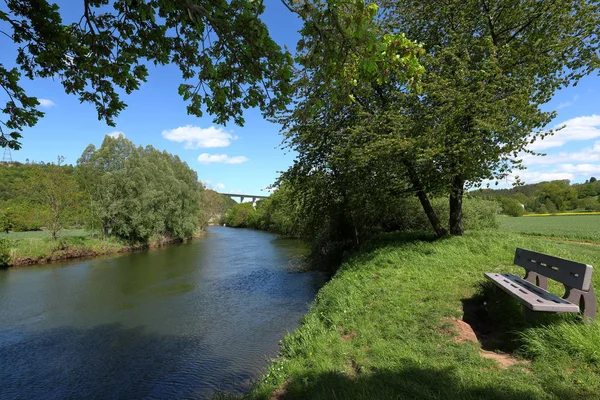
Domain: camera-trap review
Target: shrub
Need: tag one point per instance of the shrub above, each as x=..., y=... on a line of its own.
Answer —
x=4, y=252
x=238, y=215
x=481, y=214
x=409, y=215
x=511, y=207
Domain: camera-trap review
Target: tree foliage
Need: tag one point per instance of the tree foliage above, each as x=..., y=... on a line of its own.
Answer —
x=137, y=193
x=227, y=59
x=486, y=69
x=511, y=206
x=54, y=192
x=490, y=65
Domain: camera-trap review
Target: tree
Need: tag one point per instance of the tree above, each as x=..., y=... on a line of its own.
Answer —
x=585, y=190
x=227, y=59
x=347, y=61
x=490, y=65
x=589, y=204
x=511, y=206
x=139, y=193
x=5, y=221
x=557, y=195
x=55, y=192
x=593, y=179
x=214, y=205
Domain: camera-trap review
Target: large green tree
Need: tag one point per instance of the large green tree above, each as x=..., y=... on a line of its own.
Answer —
x=139, y=193
x=227, y=59
x=490, y=66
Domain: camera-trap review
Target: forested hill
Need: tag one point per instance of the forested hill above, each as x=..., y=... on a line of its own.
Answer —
x=546, y=197
x=132, y=193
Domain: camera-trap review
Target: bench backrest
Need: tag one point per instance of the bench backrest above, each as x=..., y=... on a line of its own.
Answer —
x=570, y=273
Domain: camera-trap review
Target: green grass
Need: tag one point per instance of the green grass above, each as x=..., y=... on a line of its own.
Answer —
x=585, y=228
x=44, y=234
x=33, y=247
x=379, y=329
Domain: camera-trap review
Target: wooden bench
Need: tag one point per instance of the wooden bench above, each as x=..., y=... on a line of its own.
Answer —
x=532, y=292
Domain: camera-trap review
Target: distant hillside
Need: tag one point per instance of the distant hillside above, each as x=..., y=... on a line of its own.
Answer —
x=546, y=197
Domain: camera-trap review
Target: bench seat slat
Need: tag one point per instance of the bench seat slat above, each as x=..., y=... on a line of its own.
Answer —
x=531, y=296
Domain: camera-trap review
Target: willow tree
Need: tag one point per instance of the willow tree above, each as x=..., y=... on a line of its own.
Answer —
x=227, y=59
x=490, y=66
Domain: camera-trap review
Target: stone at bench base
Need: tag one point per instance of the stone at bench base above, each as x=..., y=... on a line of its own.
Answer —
x=532, y=296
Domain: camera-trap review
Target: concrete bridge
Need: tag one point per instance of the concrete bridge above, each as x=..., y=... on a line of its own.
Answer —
x=254, y=197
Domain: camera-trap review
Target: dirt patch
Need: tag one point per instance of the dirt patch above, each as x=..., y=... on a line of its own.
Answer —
x=464, y=333
x=349, y=336
x=279, y=393
x=504, y=360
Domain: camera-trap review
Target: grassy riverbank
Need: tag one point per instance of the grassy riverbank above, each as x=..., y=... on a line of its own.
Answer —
x=389, y=325
x=28, y=248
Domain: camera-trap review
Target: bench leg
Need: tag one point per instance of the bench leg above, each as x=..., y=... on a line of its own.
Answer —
x=585, y=300
x=528, y=313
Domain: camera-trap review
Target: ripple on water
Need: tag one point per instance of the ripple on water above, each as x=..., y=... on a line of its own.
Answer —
x=175, y=323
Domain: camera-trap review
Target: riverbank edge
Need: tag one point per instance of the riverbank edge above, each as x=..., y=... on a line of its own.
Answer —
x=363, y=338
x=84, y=252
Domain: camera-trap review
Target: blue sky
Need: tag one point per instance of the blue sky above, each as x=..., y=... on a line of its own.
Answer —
x=247, y=159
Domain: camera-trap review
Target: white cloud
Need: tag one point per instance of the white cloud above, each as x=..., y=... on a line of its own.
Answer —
x=586, y=155
x=115, y=134
x=570, y=171
x=540, y=176
x=195, y=137
x=579, y=169
x=580, y=128
x=568, y=103
x=208, y=185
x=206, y=158
x=46, y=103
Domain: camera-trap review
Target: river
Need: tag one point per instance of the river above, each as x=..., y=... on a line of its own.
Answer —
x=179, y=322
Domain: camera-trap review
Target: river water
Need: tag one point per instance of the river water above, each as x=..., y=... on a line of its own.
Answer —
x=180, y=322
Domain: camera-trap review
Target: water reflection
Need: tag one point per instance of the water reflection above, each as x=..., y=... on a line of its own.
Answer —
x=179, y=322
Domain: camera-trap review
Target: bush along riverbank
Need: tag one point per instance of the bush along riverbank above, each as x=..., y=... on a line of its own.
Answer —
x=336, y=230
x=411, y=317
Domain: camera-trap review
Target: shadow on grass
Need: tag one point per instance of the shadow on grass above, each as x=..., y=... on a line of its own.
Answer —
x=409, y=381
x=497, y=319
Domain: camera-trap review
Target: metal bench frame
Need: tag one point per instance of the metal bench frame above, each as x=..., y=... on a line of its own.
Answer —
x=532, y=292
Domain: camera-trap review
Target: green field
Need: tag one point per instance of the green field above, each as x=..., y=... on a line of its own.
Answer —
x=385, y=328
x=584, y=228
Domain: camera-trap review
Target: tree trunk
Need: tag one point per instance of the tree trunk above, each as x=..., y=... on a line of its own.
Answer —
x=440, y=231
x=456, y=212
x=431, y=215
